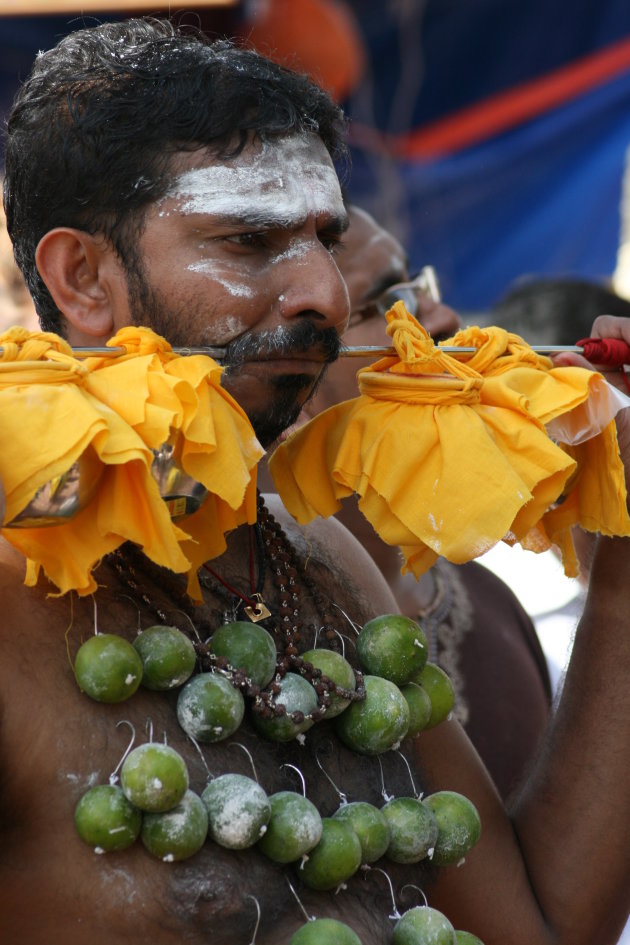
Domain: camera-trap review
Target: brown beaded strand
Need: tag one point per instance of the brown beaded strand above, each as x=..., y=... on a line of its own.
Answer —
x=285, y=571
x=287, y=576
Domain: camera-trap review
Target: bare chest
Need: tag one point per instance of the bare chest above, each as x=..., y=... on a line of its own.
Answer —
x=57, y=743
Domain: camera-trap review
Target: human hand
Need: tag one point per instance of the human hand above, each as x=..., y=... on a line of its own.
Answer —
x=609, y=326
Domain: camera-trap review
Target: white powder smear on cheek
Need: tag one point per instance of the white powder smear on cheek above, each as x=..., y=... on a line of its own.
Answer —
x=287, y=179
x=210, y=268
x=227, y=328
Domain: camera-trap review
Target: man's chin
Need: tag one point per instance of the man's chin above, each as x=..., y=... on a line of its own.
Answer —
x=284, y=399
x=273, y=428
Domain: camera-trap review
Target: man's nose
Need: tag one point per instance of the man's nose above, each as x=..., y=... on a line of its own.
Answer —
x=437, y=318
x=316, y=289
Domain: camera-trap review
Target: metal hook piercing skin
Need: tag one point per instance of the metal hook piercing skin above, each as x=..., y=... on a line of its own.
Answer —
x=113, y=778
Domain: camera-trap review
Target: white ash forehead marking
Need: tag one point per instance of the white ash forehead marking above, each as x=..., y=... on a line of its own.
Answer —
x=285, y=179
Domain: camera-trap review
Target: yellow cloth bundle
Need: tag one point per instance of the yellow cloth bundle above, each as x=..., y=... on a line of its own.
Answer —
x=450, y=456
x=56, y=409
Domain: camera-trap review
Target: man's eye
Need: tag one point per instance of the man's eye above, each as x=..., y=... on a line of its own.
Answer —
x=361, y=315
x=248, y=240
x=331, y=242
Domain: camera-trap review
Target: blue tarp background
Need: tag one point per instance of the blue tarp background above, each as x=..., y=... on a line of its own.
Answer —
x=543, y=198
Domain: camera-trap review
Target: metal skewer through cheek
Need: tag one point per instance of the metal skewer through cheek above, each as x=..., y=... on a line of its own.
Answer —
x=347, y=351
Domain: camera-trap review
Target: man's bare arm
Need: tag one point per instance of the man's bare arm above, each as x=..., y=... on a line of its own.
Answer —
x=572, y=819
x=558, y=872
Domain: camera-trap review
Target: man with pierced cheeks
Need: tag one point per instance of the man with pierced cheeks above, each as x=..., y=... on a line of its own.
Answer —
x=152, y=179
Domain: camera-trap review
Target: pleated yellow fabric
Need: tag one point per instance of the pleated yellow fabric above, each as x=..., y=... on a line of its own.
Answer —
x=55, y=409
x=450, y=456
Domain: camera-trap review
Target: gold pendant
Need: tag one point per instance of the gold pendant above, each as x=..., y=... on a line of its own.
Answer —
x=259, y=611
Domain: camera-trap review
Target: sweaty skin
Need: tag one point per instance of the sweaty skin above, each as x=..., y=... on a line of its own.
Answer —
x=544, y=878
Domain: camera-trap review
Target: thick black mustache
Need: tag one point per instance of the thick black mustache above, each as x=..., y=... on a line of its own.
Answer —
x=284, y=342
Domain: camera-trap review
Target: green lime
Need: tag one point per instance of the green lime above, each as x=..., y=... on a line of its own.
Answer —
x=379, y=722
x=178, y=833
x=413, y=830
x=337, y=668
x=154, y=777
x=392, y=646
x=423, y=926
x=209, y=708
x=370, y=826
x=168, y=657
x=297, y=696
x=107, y=668
x=459, y=826
x=246, y=646
x=324, y=932
x=106, y=820
x=238, y=811
x=294, y=828
x=440, y=690
x=466, y=938
x=336, y=857
x=420, y=707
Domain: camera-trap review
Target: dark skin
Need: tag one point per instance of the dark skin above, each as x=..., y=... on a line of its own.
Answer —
x=542, y=877
x=65, y=893
x=57, y=755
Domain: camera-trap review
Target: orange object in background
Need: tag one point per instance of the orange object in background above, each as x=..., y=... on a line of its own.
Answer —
x=319, y=37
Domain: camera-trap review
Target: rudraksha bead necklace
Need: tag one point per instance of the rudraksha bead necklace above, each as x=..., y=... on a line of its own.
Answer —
x=290, y=580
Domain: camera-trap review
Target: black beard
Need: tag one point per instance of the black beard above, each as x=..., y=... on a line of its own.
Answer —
x=301, y=336
x=290, y=391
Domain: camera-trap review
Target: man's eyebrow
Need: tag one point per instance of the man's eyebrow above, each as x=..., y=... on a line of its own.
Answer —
x=336, y=225
x=268, y=220
x=264, y=219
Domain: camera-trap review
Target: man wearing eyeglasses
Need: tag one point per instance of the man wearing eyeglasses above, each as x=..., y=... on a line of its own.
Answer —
x=479, y=632
x=375, y=268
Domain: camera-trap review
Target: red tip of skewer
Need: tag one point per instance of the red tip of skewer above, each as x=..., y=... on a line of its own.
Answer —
x=609, y=351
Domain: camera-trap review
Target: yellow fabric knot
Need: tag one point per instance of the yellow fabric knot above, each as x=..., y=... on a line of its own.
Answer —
x=416, y=352
x=411, y=341
x=140, y=341
x=120, y=410
x=497, y=350
x=35, y=356
x=448, y=457
x=419, y=389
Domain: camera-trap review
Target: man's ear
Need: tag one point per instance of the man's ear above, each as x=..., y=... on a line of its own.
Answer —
x=83, y=275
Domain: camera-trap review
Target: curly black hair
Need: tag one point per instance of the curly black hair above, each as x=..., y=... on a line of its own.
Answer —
x=92, y=131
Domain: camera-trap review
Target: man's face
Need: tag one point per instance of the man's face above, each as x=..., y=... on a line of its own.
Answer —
x=240, y=253
x=371, y=261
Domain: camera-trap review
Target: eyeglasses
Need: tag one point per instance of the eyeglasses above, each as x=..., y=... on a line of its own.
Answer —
x=425, y=283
